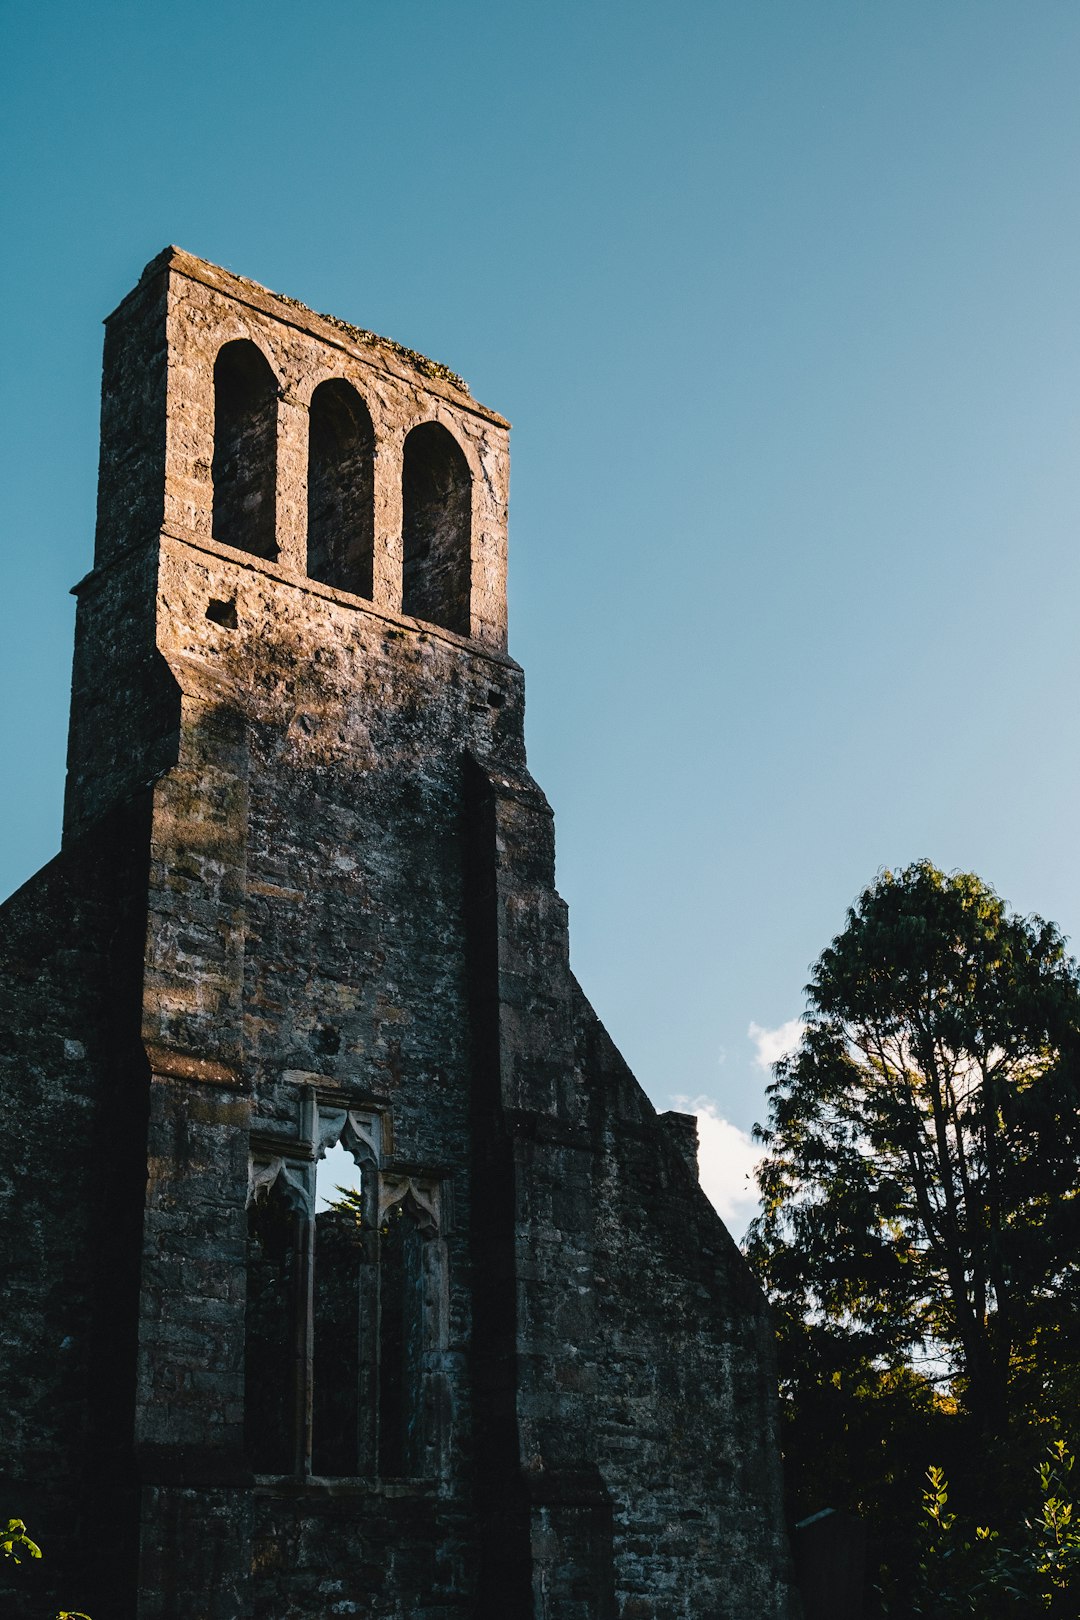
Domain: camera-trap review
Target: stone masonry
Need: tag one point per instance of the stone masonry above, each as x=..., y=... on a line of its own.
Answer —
x=305, y=901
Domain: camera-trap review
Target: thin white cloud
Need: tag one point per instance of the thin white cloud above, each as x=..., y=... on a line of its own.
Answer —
x=774, y=1044
x=726, y=1160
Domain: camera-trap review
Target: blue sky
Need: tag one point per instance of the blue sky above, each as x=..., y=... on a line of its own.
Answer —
x=783, y=301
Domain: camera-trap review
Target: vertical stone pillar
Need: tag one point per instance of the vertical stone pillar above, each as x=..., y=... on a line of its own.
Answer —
x=189, y=425
x=195, y=1548
x=487, y=594
x=386, y=573
x=292, y=468
x=196, y=1499
x=535, y=1379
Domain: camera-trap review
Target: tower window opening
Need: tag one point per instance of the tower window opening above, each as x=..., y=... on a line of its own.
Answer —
x=341, y=489
x=436, y=529
x=244, y=468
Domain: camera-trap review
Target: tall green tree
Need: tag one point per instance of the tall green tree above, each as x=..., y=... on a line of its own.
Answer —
x=920, y=1225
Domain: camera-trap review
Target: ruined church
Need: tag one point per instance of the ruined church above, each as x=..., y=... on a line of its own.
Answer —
x=513, y=1367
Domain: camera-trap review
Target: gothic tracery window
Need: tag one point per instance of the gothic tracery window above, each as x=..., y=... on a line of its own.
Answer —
x=344, y=1314
x=274, y=1290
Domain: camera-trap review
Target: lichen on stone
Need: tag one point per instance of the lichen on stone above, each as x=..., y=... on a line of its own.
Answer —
x=360, y=334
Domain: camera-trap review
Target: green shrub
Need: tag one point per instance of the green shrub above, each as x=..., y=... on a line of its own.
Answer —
x=1034, y=1569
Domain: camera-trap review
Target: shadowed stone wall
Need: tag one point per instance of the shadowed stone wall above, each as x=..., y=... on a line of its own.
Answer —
x=307, y=898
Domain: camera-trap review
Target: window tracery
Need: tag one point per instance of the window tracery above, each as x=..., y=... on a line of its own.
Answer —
x=345, y=1308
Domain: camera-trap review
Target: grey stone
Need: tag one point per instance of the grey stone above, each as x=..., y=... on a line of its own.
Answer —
x=306, y=895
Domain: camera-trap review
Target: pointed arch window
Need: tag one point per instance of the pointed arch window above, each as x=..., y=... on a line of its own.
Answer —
x=408, y=1303
x=345, y=1323
x=276, y=1267
x=341, y=489
x=244, y=470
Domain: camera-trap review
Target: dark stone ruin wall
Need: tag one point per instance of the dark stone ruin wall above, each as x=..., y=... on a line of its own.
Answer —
x=333, y=884
x=125, y=706
x=645, y=1382
x=686, y=1421
x=73, y=1095
x=308, y=924
x=356, y=980
x=662, y=1380
x=132, y=465
x=546, y=1518
x=615, y=1300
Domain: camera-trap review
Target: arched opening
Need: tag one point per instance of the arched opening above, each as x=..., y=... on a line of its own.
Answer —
x=245, y=449
x=344, y=1315
x=436, y=528
x=341, y=489
x=273, y=1329
x=403, y=1333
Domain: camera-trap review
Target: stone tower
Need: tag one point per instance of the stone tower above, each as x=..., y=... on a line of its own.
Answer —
x=305, y=902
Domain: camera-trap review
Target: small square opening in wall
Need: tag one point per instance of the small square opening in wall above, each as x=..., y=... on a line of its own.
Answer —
x=223, y=613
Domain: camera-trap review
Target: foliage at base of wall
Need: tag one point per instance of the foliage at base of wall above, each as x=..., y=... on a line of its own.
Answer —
x=16, y=1545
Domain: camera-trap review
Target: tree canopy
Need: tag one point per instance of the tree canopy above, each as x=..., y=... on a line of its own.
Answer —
x=920, y=1225
x=923, y=1142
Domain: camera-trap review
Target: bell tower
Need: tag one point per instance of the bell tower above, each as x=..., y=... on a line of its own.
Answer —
x=306, y=906
x=249, y=437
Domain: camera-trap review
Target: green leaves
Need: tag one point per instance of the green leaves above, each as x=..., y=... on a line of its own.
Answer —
x=924, y=1138
x=16, y=1544
x=920, y=1233
x=1031, y=1567
x=935, y=1499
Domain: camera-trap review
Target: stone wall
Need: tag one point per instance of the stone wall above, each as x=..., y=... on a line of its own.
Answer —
x=73, y=1091
x=329, y=913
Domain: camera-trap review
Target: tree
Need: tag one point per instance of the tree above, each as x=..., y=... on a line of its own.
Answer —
x=923, y=1145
